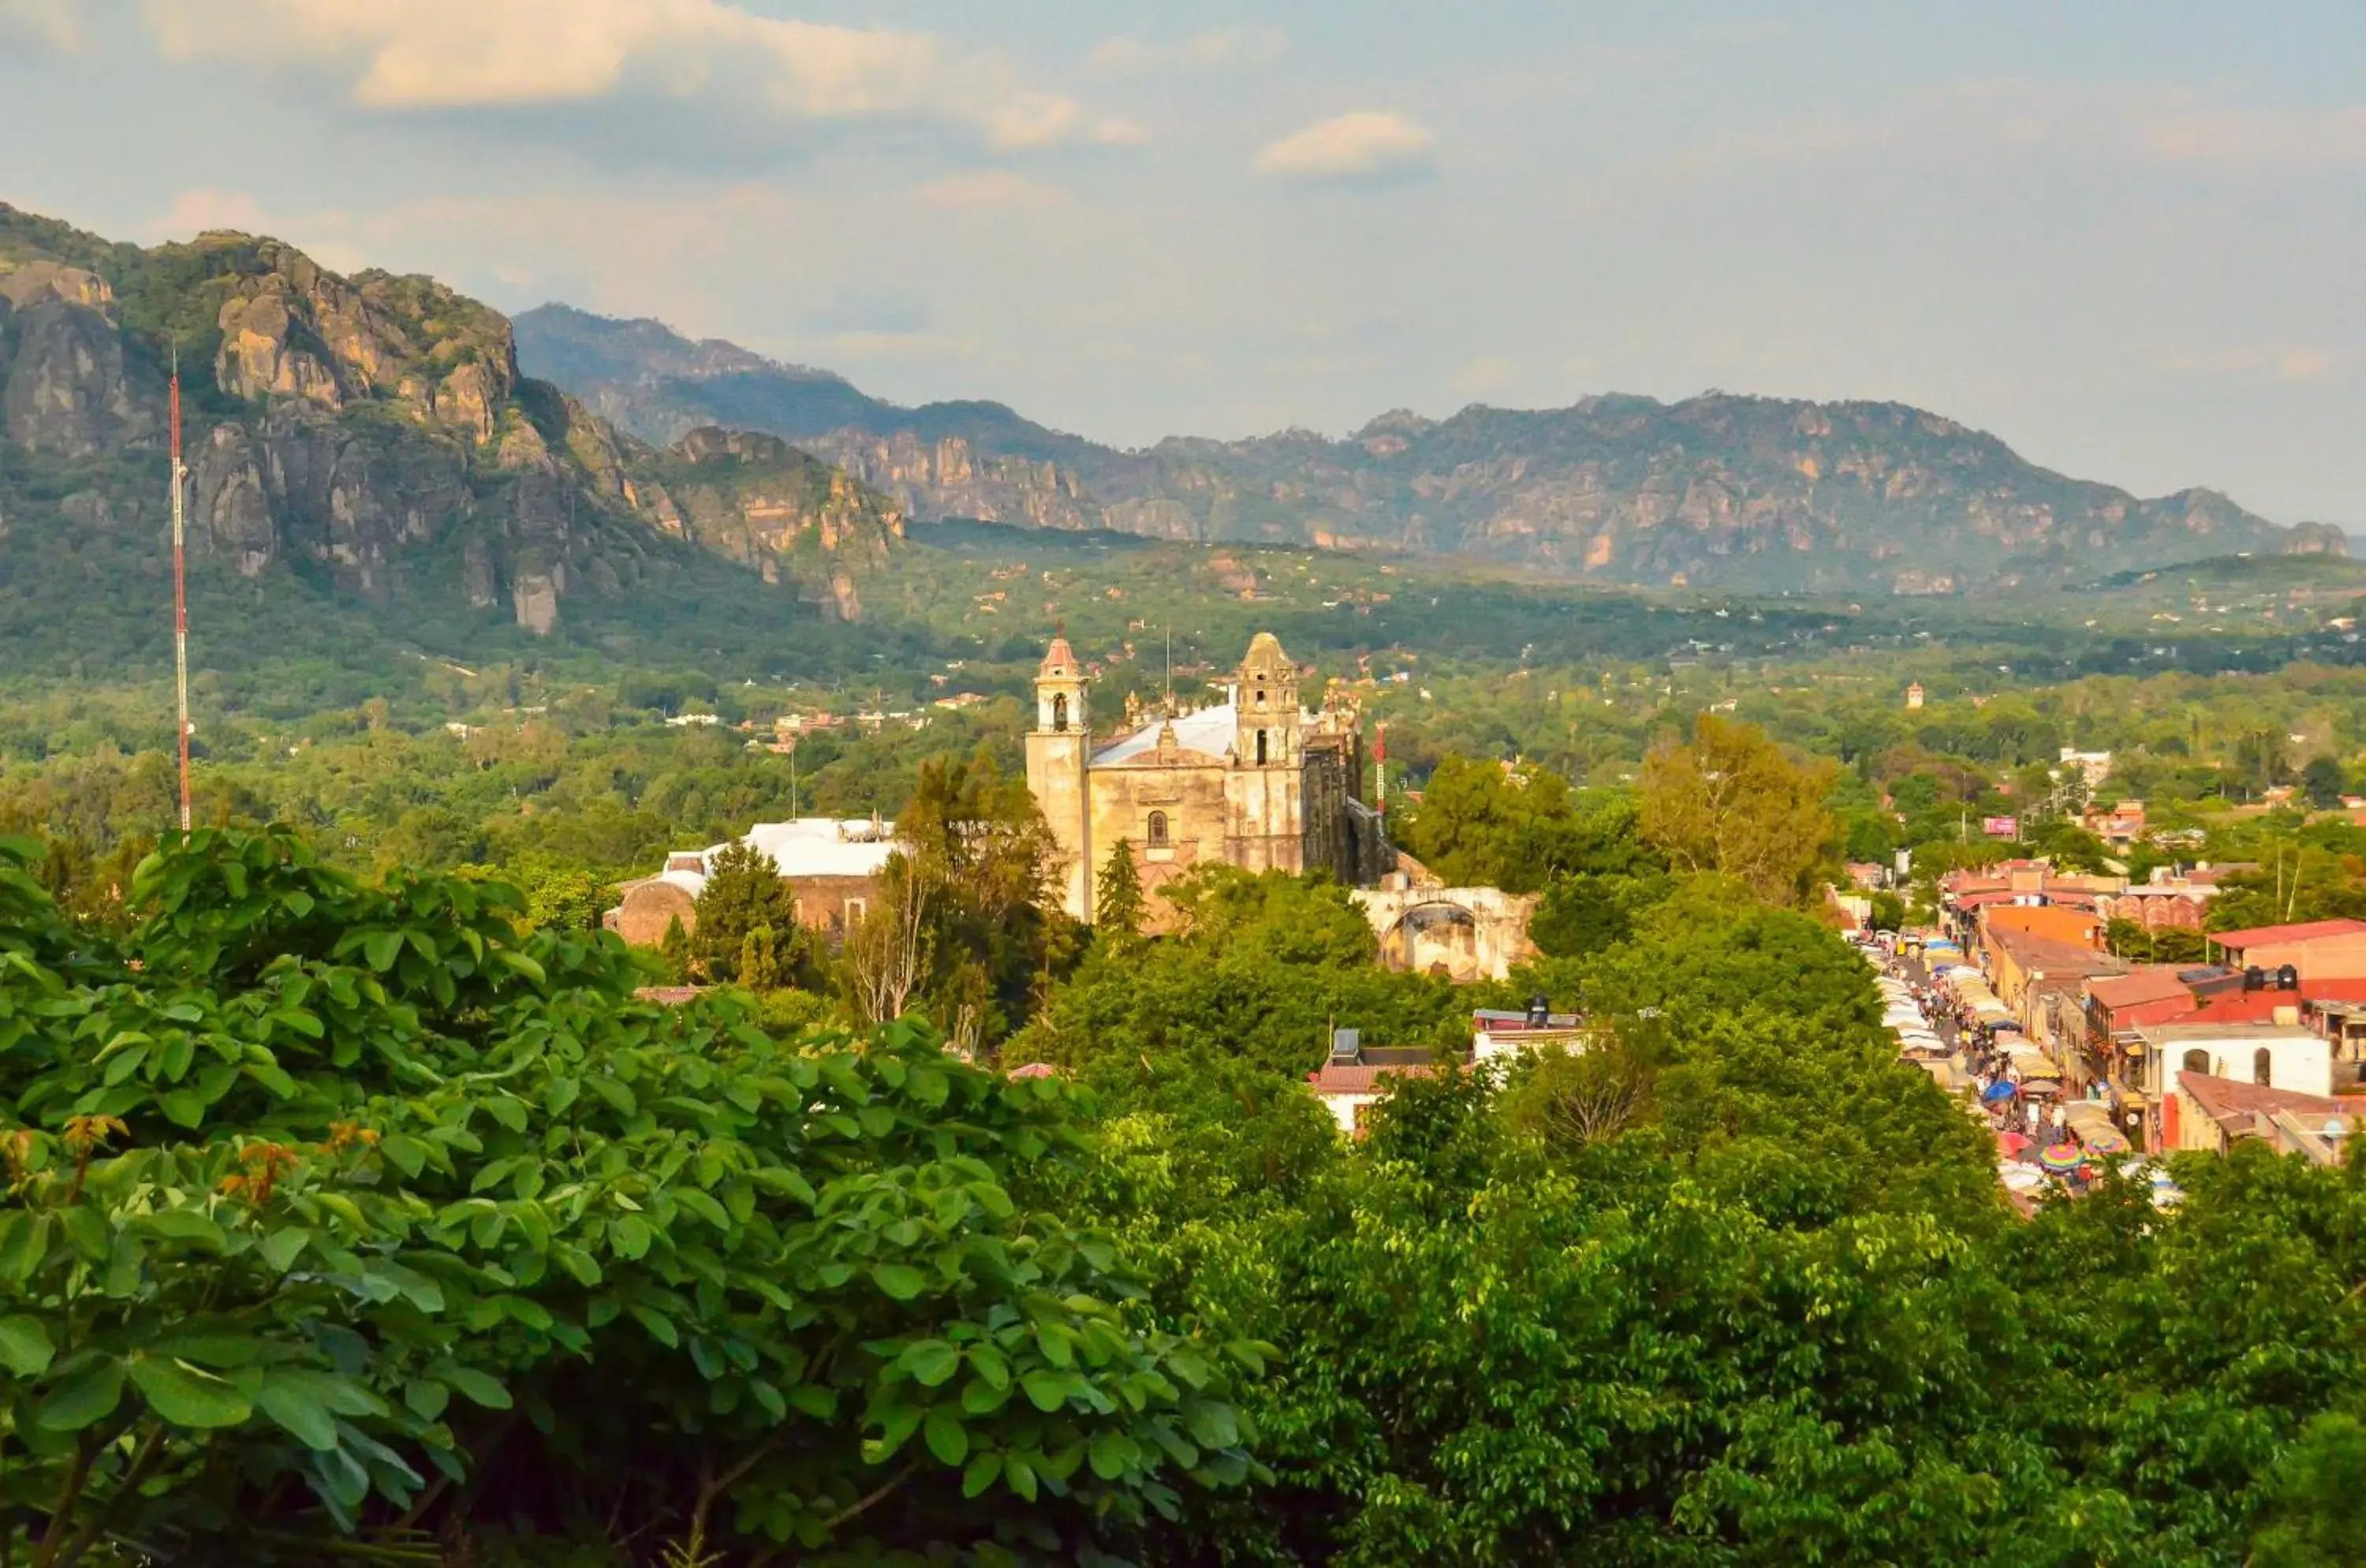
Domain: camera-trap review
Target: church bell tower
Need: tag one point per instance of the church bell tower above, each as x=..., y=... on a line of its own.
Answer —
x=1059, y=756
x=1266, y=699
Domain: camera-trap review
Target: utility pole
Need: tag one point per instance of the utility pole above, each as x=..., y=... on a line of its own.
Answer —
x=180, y=594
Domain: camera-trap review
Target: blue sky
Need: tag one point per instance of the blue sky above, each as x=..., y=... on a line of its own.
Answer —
x=2125, y=237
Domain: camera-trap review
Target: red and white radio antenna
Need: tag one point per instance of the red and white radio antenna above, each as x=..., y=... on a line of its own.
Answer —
x=180, y=594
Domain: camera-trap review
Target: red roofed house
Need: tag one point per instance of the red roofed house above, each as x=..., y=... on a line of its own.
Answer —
x=1357, y=1074
x=2317, y=950
x=2154, y=994
x=2053, y=922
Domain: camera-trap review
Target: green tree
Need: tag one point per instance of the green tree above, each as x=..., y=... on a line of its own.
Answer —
x=744, y=893
x=1118, y=908
x=674, y=948
x=760, y=968
x=1581, y=915
x=740, y=1291
x=2321, y=783
x=1731, y=802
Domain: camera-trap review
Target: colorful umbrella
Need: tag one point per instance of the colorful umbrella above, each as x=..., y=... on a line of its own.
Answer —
x=1996, y=1092
x=2010, y=1144
x=2061, y=1159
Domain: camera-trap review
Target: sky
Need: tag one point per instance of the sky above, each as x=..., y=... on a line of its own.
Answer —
x=2124, y=235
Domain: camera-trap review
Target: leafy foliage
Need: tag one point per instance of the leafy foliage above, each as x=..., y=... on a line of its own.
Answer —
x=351, y=1192
x=1730, y=803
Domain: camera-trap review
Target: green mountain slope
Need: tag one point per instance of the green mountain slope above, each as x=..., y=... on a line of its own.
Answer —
x=365, y=462
x=1744, y=493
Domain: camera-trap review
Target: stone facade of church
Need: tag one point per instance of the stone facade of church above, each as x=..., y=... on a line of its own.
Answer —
x=1255, y=781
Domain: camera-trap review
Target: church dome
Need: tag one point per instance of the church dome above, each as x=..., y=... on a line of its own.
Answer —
x=1059, y=660
x=1265, y=653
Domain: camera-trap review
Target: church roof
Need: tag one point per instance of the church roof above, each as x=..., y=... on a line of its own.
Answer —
x=1058, y=659
x=1210, y=731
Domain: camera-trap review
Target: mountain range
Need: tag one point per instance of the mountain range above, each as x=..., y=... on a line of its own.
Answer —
x=1752, y=494
x=377, y=457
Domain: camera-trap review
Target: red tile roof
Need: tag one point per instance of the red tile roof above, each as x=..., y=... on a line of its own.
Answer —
x=2134, y=990
x=2223, y=1097
x=2259, y=1007
x=2305, y=930
x=1356, y=1079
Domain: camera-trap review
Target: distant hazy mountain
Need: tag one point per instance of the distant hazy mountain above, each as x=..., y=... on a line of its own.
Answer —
x=1740, y=492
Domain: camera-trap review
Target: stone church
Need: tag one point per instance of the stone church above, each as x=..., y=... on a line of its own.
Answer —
x=1255, y=781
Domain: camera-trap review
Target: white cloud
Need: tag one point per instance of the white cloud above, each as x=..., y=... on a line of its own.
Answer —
x=1232, y=48
x=51, y=24
x=195, y=211
x=990, y=188
x=452, y=54
x=1368, y=145
x=2281, y=365
x=1486, y=373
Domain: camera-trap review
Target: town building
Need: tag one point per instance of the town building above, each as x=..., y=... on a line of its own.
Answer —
x=831, y=866
x=2171, y=900
x=1914, y=696
x=1499, y=1032
x=2313, y=950
x=2094, y=767
x=1255, y=780
x=2120, y=825
x=1357, y=1076
x=2213, y=1114
x=2030, y=883
x=2277, y=1054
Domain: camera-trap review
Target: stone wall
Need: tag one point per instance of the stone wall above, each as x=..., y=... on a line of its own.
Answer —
x=646, y=908
x=1188, y=789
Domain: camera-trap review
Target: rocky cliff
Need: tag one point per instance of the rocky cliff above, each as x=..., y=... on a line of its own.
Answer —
x=1748, y=493
x=758, y=501
x=372, y=432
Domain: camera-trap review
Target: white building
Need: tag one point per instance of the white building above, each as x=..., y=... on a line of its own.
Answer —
x=2095, y=765
x=2280, y=1055
x=1496, y=1033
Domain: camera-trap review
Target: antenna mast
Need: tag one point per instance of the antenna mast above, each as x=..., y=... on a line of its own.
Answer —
x=180, y=595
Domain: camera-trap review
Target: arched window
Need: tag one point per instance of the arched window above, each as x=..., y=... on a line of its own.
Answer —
x=1260, y=694
x=1260, y=748
x=1156, y=832
x=1060, y=711
x=2263, y=1063
x=2197, y=1062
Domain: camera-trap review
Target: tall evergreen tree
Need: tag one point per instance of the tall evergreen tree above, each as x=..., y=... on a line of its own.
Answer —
x=1119, y=908
x=744, y=892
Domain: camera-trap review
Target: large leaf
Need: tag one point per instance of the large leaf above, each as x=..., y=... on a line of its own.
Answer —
x=900, y=1280
x=930, y=1361
x=294, y=1403
x=25, y=1346
x=947, y=1437
x=474, y=1385
x=90, y=1395
x=187, y=1396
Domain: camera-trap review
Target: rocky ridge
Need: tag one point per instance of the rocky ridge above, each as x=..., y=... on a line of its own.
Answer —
x=1736, y=492
x=374, y=431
